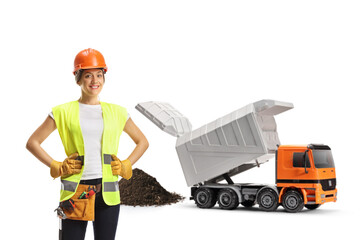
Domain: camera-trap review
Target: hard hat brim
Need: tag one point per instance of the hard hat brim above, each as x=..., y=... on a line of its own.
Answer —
x=90, y=67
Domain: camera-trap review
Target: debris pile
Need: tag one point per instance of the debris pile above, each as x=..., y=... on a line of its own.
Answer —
x=143, y=190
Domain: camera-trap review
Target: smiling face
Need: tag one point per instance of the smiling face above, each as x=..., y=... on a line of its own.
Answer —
x=91, y=82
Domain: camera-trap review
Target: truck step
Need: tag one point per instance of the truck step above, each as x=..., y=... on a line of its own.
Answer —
x=310, y=196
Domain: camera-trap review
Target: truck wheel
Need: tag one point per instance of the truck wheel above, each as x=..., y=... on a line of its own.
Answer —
x=228, y=199
x=268, y=200
x=205, y=198
x=312, y=206
x=293, y=201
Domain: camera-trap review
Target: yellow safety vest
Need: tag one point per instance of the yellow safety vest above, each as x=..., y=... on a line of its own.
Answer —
x=68, y=124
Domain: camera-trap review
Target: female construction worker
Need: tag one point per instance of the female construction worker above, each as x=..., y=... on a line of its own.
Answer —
x=90, y=132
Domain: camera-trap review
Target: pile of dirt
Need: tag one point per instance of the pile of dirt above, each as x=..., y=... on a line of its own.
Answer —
x=143, y=190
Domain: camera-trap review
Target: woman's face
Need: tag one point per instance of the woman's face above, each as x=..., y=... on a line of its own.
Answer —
x=92, y=81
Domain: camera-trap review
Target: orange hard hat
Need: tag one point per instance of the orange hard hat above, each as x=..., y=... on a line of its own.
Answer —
x=89, y=58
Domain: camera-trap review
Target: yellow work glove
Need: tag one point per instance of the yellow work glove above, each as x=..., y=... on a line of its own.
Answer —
x=67, y=167
x=121, y=168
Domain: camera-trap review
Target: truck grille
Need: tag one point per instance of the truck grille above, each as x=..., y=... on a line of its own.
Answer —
x=328, y=184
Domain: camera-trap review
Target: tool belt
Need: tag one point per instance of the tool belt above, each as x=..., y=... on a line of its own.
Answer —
x=81, y=206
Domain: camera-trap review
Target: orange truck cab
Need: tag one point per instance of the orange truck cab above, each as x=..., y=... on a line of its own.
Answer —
x=305, y=176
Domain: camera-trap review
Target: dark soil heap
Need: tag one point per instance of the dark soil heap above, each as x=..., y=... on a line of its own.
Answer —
x=143, y=190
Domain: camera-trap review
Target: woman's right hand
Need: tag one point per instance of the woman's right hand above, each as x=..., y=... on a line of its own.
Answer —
x=68, y=167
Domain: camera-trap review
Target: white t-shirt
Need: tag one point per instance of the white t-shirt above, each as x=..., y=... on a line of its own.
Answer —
x=92, y=125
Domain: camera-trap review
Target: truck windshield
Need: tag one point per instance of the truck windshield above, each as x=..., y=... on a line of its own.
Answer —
x=323, y=159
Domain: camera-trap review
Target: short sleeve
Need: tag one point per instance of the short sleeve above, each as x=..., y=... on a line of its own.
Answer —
x=51, y=115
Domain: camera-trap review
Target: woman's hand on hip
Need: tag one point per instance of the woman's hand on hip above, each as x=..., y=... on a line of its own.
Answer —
x=69, y=166
x=121, y=168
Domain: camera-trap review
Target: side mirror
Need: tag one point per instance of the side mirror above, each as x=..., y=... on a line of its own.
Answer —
x=306, y=171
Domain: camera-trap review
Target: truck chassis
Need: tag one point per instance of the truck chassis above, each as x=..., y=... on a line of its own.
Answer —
x=247, y=194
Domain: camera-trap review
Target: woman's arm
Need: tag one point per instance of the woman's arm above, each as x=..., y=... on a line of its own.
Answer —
x=138, y=137
x=34, y=142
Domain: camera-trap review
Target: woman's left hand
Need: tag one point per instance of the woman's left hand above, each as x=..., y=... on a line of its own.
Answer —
x=121, y=168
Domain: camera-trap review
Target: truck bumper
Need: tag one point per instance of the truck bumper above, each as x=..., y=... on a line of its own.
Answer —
x=326, y=196
x=313, y=194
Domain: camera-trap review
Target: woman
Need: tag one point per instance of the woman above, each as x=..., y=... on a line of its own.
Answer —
x=90, y=132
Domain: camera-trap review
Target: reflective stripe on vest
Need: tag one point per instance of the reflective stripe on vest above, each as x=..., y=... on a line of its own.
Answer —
x=68, y=124
x=111, y=186
x=68, y=185
x=107, y=159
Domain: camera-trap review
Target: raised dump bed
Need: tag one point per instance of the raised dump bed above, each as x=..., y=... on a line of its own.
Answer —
x=229, y=145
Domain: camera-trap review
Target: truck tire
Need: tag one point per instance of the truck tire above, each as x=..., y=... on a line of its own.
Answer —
x=227, y=199
x=293, y=201
x=205, y=198
x=268, y=200
x=312, y=206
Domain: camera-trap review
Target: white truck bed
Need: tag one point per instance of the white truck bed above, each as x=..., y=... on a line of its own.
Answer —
x=231, y=144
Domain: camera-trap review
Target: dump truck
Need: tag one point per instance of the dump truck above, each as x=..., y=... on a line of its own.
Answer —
x=239, y=141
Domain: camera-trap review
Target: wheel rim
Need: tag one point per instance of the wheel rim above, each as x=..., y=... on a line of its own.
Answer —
x=267, y=200
x=202, y=198
x=292, y=202
x=225, y=199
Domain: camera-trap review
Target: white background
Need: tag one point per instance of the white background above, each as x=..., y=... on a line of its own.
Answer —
x=206, y=58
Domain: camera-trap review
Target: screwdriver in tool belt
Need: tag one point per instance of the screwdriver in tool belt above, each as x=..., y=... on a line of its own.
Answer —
x=85, y=195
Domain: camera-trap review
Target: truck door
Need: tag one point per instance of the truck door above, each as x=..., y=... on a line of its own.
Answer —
x=291, y=167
